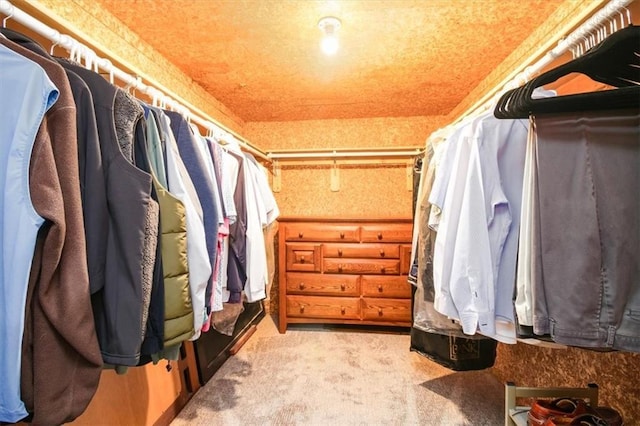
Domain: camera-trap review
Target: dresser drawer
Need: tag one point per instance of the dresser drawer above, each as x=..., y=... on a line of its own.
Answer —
x=361, y=266
x=321, y=232
x=388, y=233
x=323, y=307
x=386, y=309
x=330, y=285
x=304, y=257
x=405, y=259
x=394, y=287
x=370, y=251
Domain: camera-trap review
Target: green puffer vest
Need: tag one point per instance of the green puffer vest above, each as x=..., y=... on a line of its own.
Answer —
x=178, y=316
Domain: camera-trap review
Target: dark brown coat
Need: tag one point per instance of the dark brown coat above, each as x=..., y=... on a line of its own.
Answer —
x=61, y=358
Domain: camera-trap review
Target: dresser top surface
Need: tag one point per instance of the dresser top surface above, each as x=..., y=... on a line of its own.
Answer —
x=288, y=219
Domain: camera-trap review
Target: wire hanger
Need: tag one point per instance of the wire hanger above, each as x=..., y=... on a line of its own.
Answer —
x=4, y=21
x=55, y=43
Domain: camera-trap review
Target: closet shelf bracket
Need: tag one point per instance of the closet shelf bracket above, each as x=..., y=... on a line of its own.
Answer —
x=276, y=184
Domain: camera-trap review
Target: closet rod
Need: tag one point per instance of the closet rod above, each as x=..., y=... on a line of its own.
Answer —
x=583, y=32
x=344, y=153
x=91, y=60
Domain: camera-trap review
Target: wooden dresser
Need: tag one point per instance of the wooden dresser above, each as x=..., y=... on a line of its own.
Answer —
x=344, y=271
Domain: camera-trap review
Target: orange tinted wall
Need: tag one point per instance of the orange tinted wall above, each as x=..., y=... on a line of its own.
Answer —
x=366, y=190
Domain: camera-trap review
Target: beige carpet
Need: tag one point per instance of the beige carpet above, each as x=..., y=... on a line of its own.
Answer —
x=319, y=376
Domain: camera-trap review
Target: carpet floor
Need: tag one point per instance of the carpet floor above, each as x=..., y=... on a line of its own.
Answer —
x=314, y=375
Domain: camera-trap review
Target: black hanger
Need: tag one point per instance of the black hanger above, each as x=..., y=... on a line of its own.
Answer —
x=615, y=62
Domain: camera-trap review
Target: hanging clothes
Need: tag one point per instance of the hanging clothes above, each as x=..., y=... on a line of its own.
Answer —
x=27, y=95
x=237, y=262
x=100, y=194
x=202, y=147
x=264, y=211
x=432, y=334
x=230, y=171
x=195, y=165
x=178, y=318
x=119, y=306
x=59, y=315
x=180, y=185
x=178, y=310
x=576, y=276
x=588, y=197
x=215, y=152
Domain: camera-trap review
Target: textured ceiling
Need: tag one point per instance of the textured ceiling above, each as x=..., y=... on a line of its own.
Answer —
x=261, y=58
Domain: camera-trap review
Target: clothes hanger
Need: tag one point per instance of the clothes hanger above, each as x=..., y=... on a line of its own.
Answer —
x=4, y=25
x=615, y=62
x=55, y=43
x=4, y=21
x=626, y=45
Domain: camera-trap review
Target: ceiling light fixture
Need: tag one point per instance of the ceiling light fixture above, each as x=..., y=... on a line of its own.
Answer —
x=329, y=26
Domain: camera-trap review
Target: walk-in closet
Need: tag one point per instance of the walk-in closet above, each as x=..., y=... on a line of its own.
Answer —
x=320, y=212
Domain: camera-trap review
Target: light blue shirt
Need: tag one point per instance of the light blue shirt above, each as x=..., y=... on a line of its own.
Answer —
x=26, y=93
x=483, y=272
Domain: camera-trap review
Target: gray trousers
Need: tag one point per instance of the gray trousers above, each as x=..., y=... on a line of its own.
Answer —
x=586, y=242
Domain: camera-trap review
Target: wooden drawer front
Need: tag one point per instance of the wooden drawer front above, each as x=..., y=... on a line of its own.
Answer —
x=323, y=307
x=371, y=251
x=304, y=257
x=322, y=232
x=362, y=266
x=386, y=309
x=386, y=233
x=330, y=285
x=405, y=259
x=396, y=287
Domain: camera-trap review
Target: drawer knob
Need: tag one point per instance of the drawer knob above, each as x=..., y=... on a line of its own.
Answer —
x=340, y=252
x=301, y=285
x=300, y=234
x=301, y=309
x=382, y=270
x=379, y=312
x=379, y=235
x=301, y=259
x=343, y=310
x=343, y=286
x=380, y=288
x=339, y=268
x=342, y=235
x=381, y=252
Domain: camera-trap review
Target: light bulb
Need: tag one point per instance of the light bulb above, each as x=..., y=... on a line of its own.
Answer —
x=329, y=25
x=329, y=45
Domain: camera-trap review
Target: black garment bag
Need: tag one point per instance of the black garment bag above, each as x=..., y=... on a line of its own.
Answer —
x=615, y=62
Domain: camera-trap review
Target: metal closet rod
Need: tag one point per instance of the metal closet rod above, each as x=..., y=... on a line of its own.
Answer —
x=586, y=31
x=330, y=154
x=93, y=61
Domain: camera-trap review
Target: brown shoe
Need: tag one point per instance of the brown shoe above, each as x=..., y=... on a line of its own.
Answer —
x=581, y=420
x=564, y=408
x=601, y=416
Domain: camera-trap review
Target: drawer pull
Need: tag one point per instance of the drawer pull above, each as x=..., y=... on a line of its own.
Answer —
x=301, y=286
x=342, y=235
x=380, y=288
x=301, y=259
x=343, y=286
x=382, y=270
x=379, y=235
x=343, y=310
x=340, y=252
x=381, y=252
x=300, y=234
x=301, y=309
x=379, y=312
x=340, y=268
